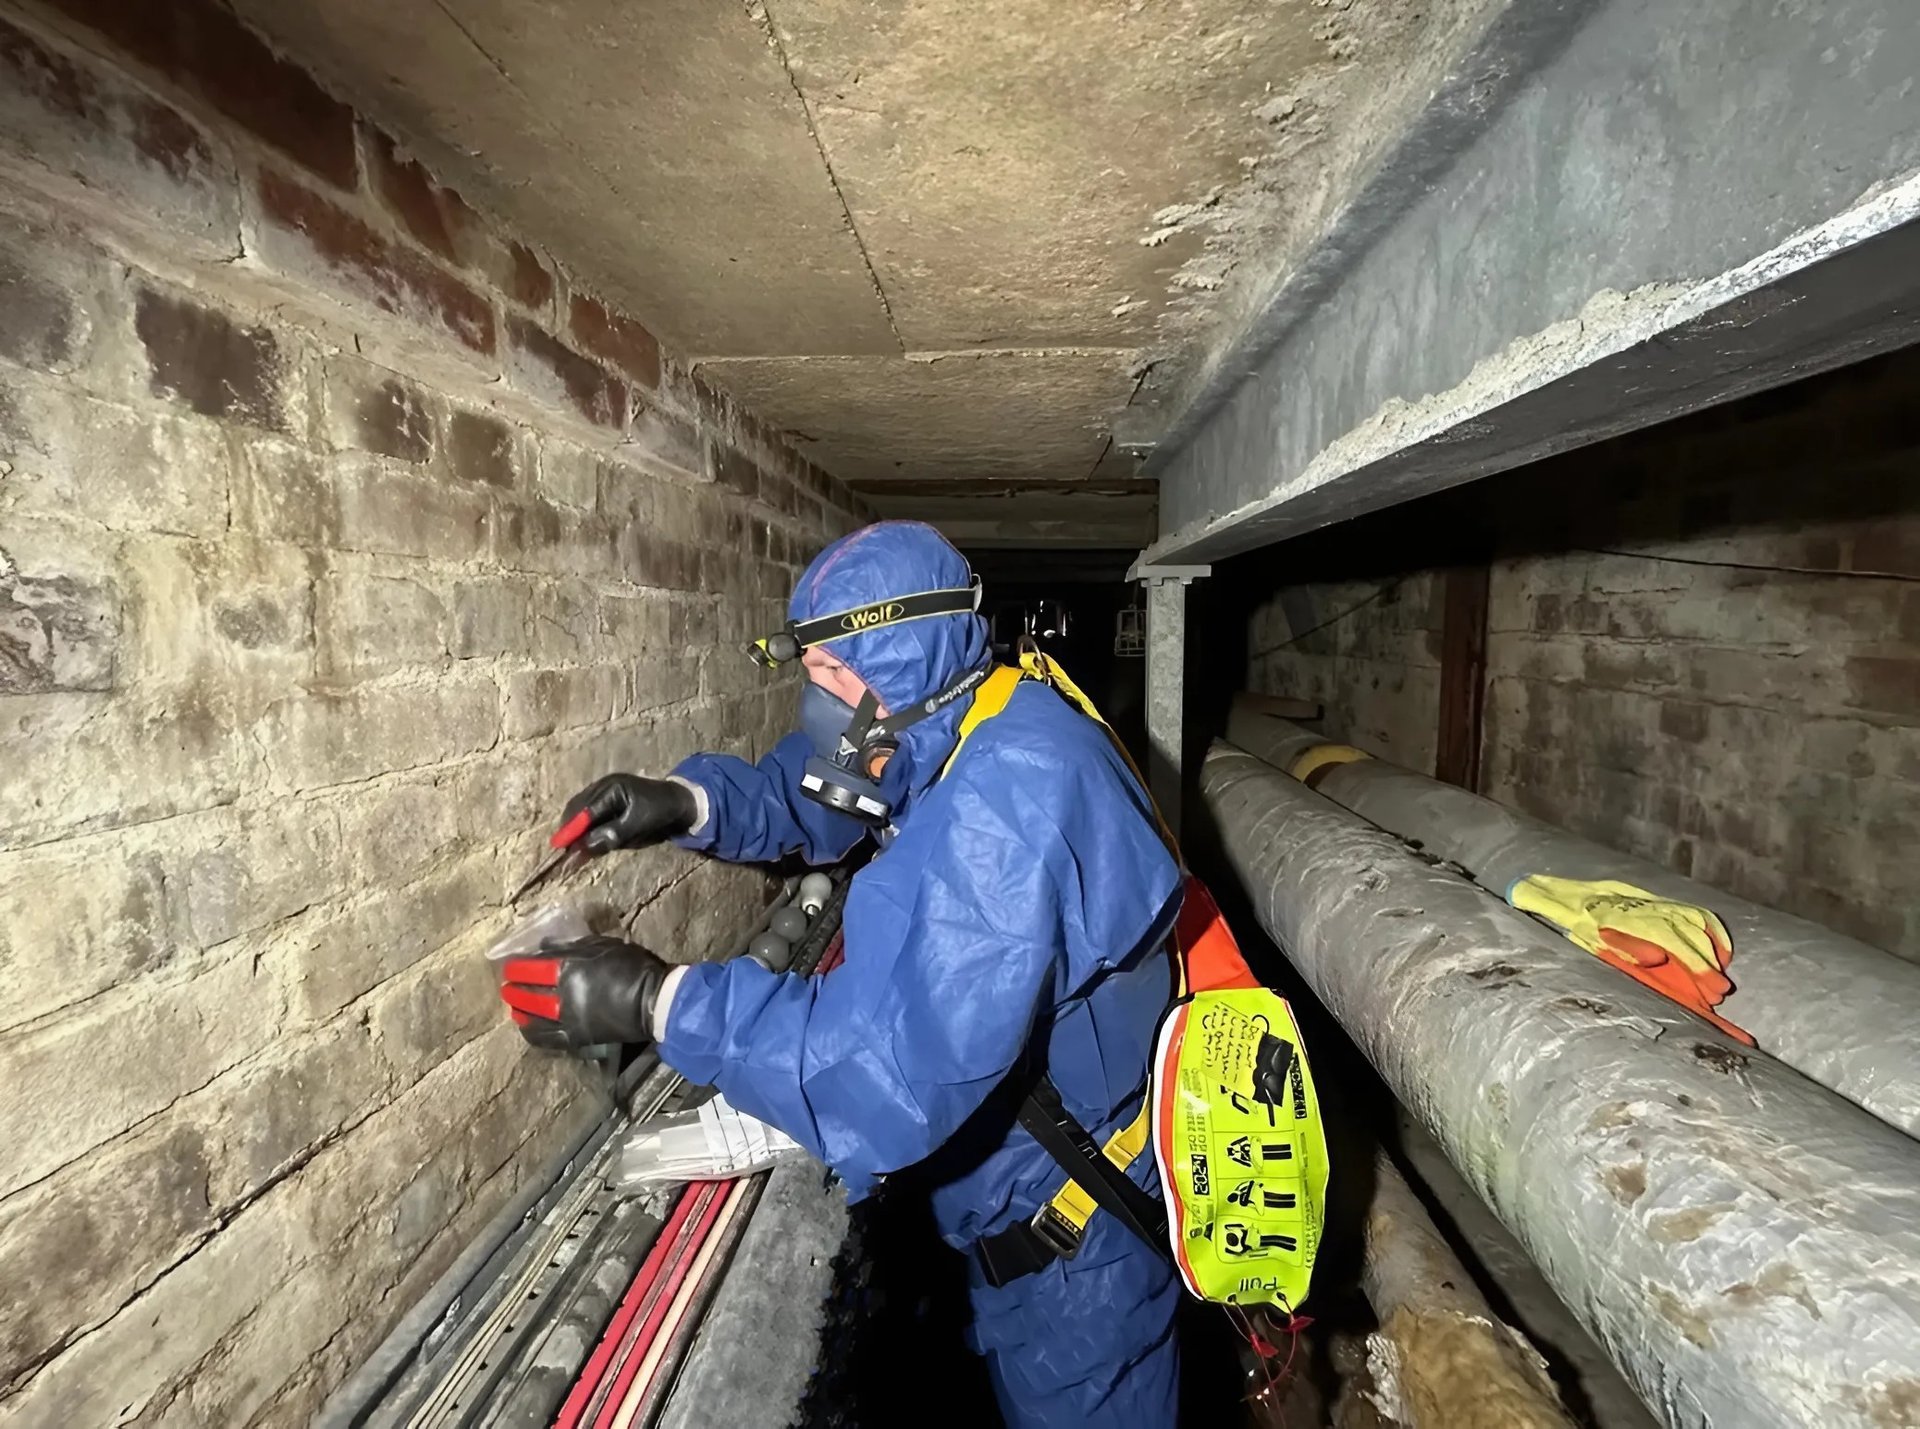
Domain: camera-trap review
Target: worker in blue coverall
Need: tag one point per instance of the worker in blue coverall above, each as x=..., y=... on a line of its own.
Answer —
x=1022, y=899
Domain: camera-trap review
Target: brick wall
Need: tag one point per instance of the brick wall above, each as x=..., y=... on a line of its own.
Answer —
x=1367, y=649
x=341, y=537
x=1703, y=645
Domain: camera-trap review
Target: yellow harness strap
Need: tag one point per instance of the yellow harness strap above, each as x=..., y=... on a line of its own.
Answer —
x=1070, y=1204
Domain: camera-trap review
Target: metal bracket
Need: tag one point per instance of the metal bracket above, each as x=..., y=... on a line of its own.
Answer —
x=1167, y=575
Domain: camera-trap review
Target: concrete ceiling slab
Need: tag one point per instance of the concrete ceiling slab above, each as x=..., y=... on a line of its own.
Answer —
x=1004, y=160
x=659, y=148
x=1079, y=515
x=829, y=203
x=875, y=421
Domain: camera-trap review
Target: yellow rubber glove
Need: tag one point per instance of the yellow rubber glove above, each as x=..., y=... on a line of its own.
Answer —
x=1679, y=950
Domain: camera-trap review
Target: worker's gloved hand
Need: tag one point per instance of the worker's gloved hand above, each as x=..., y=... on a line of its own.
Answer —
x=584, y=993
x=628, y=811
x=1679, y=950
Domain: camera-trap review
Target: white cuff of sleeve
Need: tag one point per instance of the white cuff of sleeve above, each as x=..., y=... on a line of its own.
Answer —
x=663, y=1002
x=702, y=806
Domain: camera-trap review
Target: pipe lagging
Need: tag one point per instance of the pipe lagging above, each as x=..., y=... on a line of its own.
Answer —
x=1442, y=1359
x=1837, y=1009
x=1743, y=1243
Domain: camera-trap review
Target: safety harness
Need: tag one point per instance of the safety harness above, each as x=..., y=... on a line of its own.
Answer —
x=1229, y=1107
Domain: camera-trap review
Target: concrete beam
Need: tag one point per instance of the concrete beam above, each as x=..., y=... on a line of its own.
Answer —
x=1680, y=206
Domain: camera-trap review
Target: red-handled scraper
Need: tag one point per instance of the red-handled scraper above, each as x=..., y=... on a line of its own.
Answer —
x=563, y=841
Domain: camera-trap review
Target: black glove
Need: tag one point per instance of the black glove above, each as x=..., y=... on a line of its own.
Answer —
x=584, y=993
x=629, y=811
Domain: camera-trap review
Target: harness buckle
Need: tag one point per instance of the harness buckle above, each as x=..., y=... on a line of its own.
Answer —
x=1056, y=1232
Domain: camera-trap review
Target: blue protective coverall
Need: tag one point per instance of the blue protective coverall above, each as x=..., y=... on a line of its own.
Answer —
x=1027, y=894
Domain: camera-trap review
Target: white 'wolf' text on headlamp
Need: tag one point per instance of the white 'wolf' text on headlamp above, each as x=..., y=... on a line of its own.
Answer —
x=796, y=637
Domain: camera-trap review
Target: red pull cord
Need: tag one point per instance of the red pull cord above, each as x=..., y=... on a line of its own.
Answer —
x=569, y=833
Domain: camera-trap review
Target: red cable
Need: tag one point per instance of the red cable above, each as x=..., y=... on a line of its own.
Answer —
x=623, y=1380
x=596, y=1366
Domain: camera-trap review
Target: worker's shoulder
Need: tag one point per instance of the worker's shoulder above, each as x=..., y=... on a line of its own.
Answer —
x=1038, y=735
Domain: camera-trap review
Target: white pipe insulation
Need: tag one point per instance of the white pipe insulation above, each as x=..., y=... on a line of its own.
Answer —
x=1841, y=1011
x=1743, y=1243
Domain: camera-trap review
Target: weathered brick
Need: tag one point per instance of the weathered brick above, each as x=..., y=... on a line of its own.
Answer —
x=482, y=448
x=371, y=409
x=663, y=439
x=122, y=1057
x=283, y=492
x=168, y=756
x=569, y=475
x=636, y=627
x=197, y=610
x=651, y=559
x=89, y=1241
x=537, y=536
x=357, y=949
x=490, y=617
x=734, y=470
x=115, y=143
x=64, y=454
x=567, y=625
x=544, y=367
x=79, y=917
x=437, y=217
x=321, y=1221
x=395, y=832
x=322, y=738
x=266, y=866
x=542, y=701
x=213, y=364
x=42, y=323
x=616, y=338
x=436, y=1009
x=1885, y=684
x=200, y=46
x=1684, y=722
x=528, y=283
x=59, y=617
x=384, y=508
x=105, y=1228
x=304, y=235
x=367, y=623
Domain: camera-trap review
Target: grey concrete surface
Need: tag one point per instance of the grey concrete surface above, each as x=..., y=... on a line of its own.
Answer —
x=1087, y=190
x=1681, y=205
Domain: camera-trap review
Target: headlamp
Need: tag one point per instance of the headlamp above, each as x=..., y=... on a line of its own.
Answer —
x=795, y=638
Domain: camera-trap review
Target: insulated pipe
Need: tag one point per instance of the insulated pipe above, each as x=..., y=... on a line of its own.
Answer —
x=1441, y=1358
x=1837, y=1009
x=1743, y=1243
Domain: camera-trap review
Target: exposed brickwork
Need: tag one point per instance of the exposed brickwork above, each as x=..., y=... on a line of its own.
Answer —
x=214, y=365
x=200, y=46
x=619, y=340
x=544, y=365
x=1368, y=650
x=298, y=223
x=308, y=624
x=1724, y=676
x=529, y=283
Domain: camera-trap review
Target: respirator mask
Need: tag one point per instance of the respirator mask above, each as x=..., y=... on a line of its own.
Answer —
x=853, y=745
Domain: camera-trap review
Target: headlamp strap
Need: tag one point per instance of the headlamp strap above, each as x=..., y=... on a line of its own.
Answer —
x=897, y=611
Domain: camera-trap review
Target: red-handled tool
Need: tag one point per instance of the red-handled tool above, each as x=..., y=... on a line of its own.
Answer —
x=563, y=840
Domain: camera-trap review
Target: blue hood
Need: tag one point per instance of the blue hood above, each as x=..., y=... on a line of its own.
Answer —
x=899, y=663
x=906, y=662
